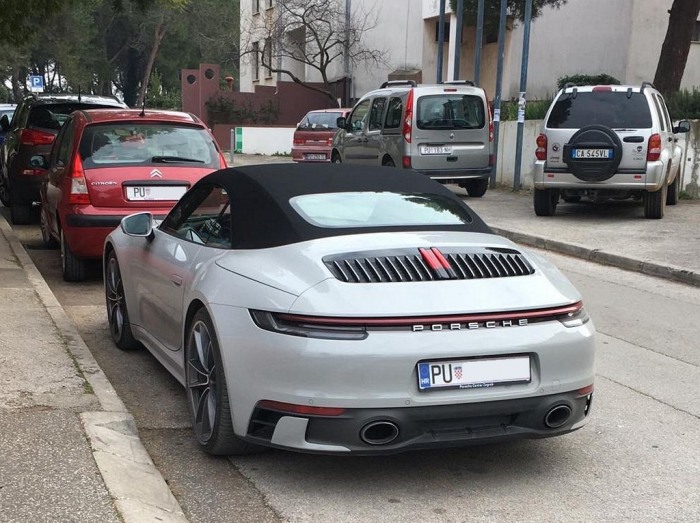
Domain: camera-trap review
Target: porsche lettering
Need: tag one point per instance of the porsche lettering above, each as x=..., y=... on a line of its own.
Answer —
x=469, y=325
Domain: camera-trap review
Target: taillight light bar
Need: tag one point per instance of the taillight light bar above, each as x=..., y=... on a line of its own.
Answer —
x=35, y=137
x=78, y=186
x=654, y=148
x=541, y=151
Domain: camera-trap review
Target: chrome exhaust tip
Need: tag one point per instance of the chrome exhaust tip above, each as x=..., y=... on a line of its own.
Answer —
x=557, y=416
x=379, y=432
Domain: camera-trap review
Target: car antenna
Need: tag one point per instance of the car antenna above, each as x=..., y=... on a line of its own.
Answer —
x=79, y=100
x=143, y=106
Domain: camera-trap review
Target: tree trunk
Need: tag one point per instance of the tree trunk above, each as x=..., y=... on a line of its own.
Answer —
x=674, y=51
x=158, y=37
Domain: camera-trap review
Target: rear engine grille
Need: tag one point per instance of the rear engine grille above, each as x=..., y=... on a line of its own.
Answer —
x=409, y=265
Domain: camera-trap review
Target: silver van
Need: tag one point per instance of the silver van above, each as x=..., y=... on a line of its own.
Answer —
x=444, y=131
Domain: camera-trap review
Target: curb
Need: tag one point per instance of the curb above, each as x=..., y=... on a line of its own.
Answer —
x=675, y=274
x=135, y=484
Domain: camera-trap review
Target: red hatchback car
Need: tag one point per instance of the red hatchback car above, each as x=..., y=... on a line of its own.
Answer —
x=107, y=164
x=314, y=135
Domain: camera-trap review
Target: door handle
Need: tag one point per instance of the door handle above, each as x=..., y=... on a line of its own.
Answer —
x=177, y=280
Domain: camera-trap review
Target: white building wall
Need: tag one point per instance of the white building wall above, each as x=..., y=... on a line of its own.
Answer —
x=582, y=37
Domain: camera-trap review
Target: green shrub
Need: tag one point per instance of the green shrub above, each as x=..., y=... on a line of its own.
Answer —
x=534, y=110
x=587, y=79
x=684, y=104
x=221, y=109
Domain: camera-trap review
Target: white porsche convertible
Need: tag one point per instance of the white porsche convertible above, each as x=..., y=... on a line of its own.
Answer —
x=348, y=309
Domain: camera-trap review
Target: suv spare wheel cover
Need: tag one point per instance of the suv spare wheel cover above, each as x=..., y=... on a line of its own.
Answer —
x=594, y=169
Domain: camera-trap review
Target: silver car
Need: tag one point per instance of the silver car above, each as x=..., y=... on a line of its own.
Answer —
x=348, y=311
x=608, y=141
x=443, y=131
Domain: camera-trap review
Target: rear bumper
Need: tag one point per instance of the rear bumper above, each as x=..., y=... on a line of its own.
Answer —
x=652, y=179
x=86, y=233
x=413, y=428
x=311, y=154
x=456, y=175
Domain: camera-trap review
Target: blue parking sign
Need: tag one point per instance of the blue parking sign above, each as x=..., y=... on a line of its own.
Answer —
x=36, y=83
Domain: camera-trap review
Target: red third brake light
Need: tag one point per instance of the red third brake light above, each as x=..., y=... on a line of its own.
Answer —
x=654, y=148
x=541, y=151
x=599, y=88
x=408, y=119
x=34, y=137
x=78, y=186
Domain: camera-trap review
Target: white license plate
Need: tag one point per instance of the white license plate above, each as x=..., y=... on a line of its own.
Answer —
x=155, y=192
x=314, y=157
x=473, y=373
x=436, y=149
x=592, y=153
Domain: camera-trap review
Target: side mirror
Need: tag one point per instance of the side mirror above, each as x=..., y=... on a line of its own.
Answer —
x=341, y=122
x=4, y=123
x=139, y=224
x=682, y=127
x=39, y=162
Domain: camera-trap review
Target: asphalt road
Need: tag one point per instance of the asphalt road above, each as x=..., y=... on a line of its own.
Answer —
x=637, y=460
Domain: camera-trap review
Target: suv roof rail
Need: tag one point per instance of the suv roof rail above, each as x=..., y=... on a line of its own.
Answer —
x=646, y=84
x=574, y=93
x=569, y=84
x=460, y=82
x=392, y=83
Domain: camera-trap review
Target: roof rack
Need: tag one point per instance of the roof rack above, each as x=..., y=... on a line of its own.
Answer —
x=574, y=92
x=460, y=82
x=392, y=83
x=646, y=84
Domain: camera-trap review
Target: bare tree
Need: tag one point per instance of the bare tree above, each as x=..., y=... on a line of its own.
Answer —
x=316, y=34
x=676, y=46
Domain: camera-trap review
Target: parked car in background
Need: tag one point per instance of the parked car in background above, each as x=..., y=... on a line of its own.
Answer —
x=314, y=135
x=608, y=142
x=32, y=131
x=107, y=164
x=443, y=131
x=6, y=110
x=343, y=309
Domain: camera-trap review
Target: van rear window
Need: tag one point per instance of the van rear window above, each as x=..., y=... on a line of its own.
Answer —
x=609, y=108
x=450, y=111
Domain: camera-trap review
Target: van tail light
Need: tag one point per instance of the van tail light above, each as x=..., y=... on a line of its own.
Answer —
x=78, y=186
x=541, y=151
x=408, y=120
x=35, y=137
x=222, y=161
x=329, y=141
x=491, y=133
x=406, y=162
x=654, y=148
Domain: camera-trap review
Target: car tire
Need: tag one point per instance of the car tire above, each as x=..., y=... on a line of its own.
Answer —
x=49, y=241
x=475, y=188
x=673, y=190
x=388, y=163
x=4, y=191
x=117, y=314
x=545, y=201
x=207, y=393
x=594, y=170
x=20, y=214
x=655, y=203
x=72, y=267
x=336, y=158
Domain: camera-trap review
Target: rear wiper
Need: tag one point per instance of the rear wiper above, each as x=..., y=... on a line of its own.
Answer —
x=168, y=159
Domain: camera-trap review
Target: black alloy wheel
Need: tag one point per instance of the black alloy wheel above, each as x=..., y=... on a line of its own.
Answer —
x=207, y=394
x=673, y=190
x=4, y=191
x=117, y=314
x=336, y=158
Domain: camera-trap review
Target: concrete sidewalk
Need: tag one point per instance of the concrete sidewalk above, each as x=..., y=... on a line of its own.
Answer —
x=70, y=450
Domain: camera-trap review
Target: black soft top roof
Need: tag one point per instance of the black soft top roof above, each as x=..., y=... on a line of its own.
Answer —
x=263, y=217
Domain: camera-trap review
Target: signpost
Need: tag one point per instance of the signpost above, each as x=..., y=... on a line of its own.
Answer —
x=36, y=83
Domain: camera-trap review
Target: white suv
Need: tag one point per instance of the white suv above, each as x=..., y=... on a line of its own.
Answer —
x=608, y=141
